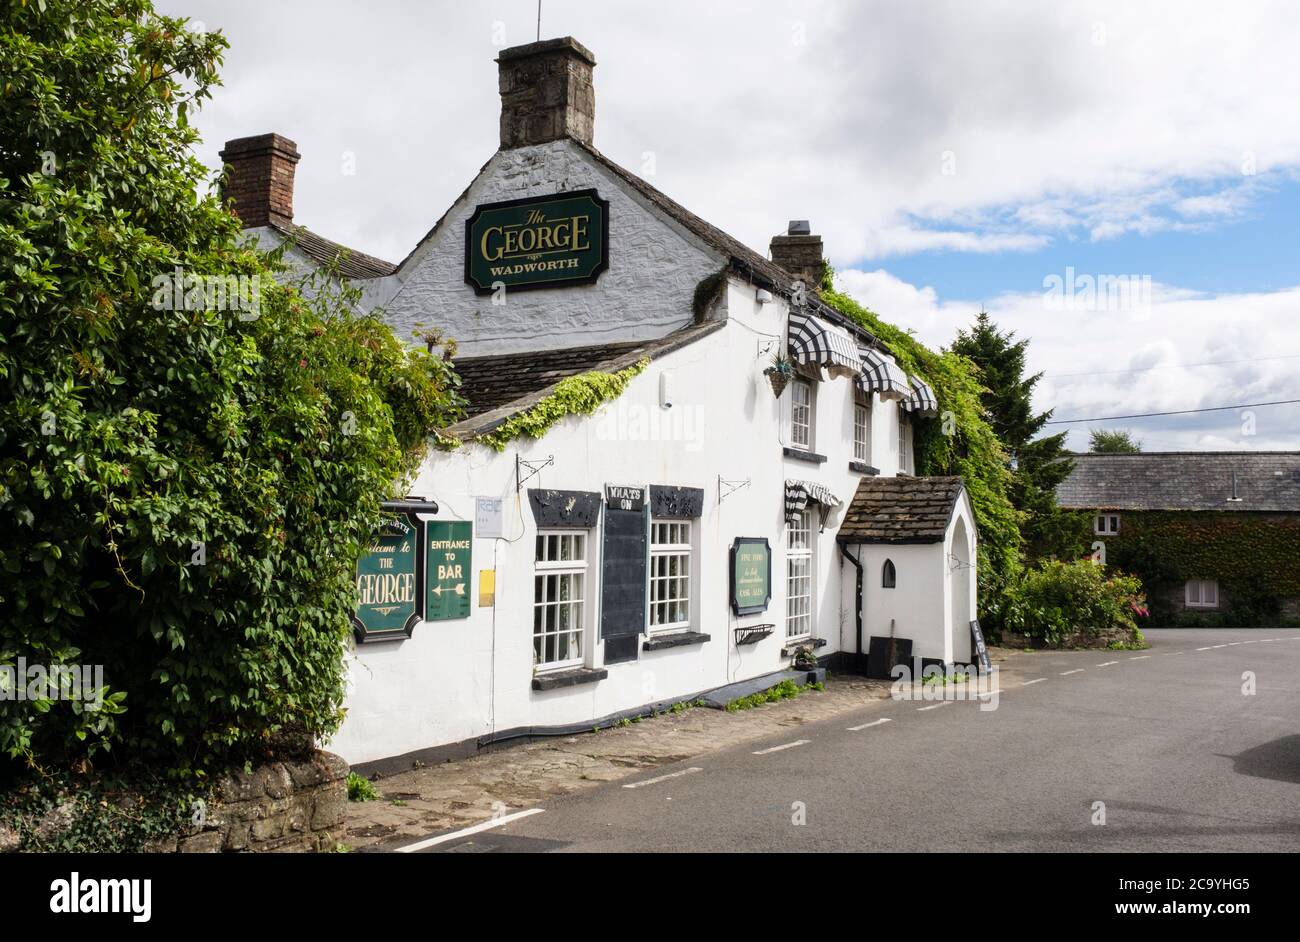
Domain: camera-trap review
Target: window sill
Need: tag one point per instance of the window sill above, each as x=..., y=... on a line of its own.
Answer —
x=673, y=639
x=861, y=467
x=799, y=455
x=794, y=643
x=572, y=677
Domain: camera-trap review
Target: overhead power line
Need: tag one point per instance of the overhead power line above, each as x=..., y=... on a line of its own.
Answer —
x=1151, y=415
x=1172, y=366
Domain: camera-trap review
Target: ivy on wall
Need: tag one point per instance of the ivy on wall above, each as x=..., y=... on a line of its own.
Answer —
x=960, y=442
x=582, y=394
x=1255, y=558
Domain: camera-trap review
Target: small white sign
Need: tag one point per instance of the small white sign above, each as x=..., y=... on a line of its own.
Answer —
x=489, y=521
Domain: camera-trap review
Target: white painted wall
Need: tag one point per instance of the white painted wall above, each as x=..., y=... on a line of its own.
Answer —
x=455, y=680
x=654, y=266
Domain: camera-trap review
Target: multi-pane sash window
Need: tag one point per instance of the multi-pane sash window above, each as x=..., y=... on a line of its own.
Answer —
x=670, y=574
x=1106, y=524
x=862, y=431
x=904, y=458
x=1202, y=593
x=798, y=576
x=801, y=413
x=559, y=585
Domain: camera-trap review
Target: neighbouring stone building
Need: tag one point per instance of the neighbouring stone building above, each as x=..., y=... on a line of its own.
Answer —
x=748, y=492
x=1215, y=536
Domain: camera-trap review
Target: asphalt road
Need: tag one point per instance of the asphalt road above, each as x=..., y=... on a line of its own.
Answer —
x=1182, y=759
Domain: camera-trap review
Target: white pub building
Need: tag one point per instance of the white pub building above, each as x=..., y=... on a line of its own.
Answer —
x=748, y=492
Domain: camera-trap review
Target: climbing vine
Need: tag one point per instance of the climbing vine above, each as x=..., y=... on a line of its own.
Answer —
x=576, y=395
x=961, y=441
x=1254, y=558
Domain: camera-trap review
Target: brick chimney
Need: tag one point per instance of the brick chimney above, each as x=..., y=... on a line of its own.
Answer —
x=546, y=93
x=799, y=252
x=260, y=180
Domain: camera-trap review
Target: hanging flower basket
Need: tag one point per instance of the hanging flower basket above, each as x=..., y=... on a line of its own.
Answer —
x=779, y=374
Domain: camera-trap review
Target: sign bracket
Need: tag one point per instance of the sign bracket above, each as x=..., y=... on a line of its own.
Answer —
x=534, y=468
x=727, y=488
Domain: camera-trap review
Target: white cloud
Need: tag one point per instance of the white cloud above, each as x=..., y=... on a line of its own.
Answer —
x=1120, y=362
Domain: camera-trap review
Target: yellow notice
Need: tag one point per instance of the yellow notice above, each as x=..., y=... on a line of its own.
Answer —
x=487, y=588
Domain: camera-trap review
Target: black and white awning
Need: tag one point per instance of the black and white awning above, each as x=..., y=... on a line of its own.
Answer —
x=814, y=342
x=880, y=374
x=922, y=400
x=798, y=494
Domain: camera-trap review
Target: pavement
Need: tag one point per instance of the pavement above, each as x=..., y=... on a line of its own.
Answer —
x=1192, y=745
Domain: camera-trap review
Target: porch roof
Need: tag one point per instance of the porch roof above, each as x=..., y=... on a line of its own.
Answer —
x=901, y=509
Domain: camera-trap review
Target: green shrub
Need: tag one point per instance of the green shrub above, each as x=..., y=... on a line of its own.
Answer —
x=360, y=788
x=1078, y=602
x=183, y=492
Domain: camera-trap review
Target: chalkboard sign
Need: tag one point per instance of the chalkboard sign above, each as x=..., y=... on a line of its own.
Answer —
x=390, y=581
x=623, y=581
x=450, y=562
x=981, y=649
x=751, y=575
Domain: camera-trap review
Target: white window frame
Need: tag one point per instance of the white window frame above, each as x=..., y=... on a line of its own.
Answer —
x=862, y=429
x=548, y=563
x=670, y=539
x=904, y=443
x=802, y=414
x=1105, y=524
x=1201, y=593
x=800, y=575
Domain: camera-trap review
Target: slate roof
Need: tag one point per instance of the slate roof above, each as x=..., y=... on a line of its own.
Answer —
x=1184, y=480
x=903, y=509
x=499, y=386
x=352, y=264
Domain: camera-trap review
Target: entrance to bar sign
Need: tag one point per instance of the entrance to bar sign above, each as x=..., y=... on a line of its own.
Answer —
x=450, y=547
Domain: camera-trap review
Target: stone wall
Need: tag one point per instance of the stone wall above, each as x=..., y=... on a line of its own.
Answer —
x=281, y=806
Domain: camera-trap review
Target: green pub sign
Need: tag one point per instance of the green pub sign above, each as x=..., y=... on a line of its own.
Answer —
x=541, y=242
x=449, y=557
x=390, y=581
x=751, y=575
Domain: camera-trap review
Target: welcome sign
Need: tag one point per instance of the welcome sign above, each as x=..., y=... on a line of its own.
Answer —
x=540, y=242
x=390, y=581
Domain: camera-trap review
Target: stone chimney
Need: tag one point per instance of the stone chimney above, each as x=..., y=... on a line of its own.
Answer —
x=546, y=93
x=260, y=180
x=799, y=252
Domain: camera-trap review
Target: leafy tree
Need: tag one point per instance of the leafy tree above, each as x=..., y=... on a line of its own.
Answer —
x=1118, y=442
x=184, y=487
x=1038, y=464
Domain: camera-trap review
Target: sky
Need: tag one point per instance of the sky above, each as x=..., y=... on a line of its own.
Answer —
x=952, y=155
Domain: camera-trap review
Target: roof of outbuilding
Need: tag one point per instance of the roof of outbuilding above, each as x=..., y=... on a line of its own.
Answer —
x=1184, y=480
x=497, y=387
x=352, y=264
x=901, y=509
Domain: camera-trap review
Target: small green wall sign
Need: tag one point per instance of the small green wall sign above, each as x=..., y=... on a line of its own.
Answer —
x=450, y=561
x=751, y=575
x=540, y=242
x=390, y=581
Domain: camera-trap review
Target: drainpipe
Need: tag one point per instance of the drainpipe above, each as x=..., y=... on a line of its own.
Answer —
x=857, y=608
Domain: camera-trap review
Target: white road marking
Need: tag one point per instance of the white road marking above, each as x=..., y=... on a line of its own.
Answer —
x=789, y=745
x=854, y=729
x=1108, y=663
x=1140, y=657
x=465, y=832
x=1077, y=670
x=1202, y=649
x=663, y=778
x=934, y=707
x=1037, y=681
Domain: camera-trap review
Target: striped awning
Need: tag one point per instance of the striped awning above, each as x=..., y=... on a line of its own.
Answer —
x=813, y=342
x=922, y=400
x=798, y=494
x=880, y=374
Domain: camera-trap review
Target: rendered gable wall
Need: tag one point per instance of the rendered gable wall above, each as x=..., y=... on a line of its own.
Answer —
x=654, y=267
